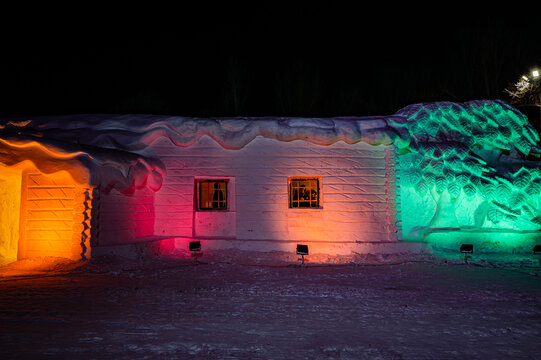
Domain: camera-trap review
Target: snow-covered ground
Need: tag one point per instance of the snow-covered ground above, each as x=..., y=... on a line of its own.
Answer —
x=393, y=308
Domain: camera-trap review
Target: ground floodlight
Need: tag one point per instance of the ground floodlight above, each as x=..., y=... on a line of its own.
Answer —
x=195, y=246
x=466, y=249
x=302, y=250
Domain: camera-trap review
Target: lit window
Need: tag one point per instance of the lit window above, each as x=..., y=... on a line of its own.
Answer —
x=303, y=193
x=213, y=195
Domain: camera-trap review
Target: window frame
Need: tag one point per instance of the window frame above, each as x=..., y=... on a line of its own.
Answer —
x=290, y=192
x=199, y=182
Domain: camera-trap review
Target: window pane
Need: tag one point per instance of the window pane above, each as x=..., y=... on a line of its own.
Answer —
x=213, y=195
x=303, y=193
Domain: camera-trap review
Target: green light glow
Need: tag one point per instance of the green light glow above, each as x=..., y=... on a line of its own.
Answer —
x=469, y=168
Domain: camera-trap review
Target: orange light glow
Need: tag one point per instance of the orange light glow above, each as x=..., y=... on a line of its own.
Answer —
x=10, y=202
x=45, y=149
x=55, y=215
x=42, y=214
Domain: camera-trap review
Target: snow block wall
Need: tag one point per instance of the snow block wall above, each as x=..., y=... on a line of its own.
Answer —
x=122, y=219
x=468, y=167
x=357, y=191
x=55, y=213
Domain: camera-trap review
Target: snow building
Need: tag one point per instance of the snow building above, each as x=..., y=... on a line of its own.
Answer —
x=73, y=186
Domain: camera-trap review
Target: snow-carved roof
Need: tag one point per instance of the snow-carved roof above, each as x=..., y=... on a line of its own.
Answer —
x=112, y=147
x=491, y=124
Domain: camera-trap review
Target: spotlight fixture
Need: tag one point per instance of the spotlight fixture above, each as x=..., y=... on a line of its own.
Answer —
x=195, y=246
x=302, y=250
x=466, y=249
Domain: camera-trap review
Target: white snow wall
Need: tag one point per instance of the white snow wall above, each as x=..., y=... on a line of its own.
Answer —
x=120, y=219
x=358, y=197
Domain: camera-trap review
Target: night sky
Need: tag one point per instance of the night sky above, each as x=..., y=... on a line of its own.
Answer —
x=265, y=61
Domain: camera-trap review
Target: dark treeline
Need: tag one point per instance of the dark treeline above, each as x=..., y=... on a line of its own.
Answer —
x=299, y=66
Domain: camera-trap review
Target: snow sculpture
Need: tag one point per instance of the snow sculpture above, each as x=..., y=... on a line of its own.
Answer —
x=23, y=142
x=469, y=166
x=110, y=151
